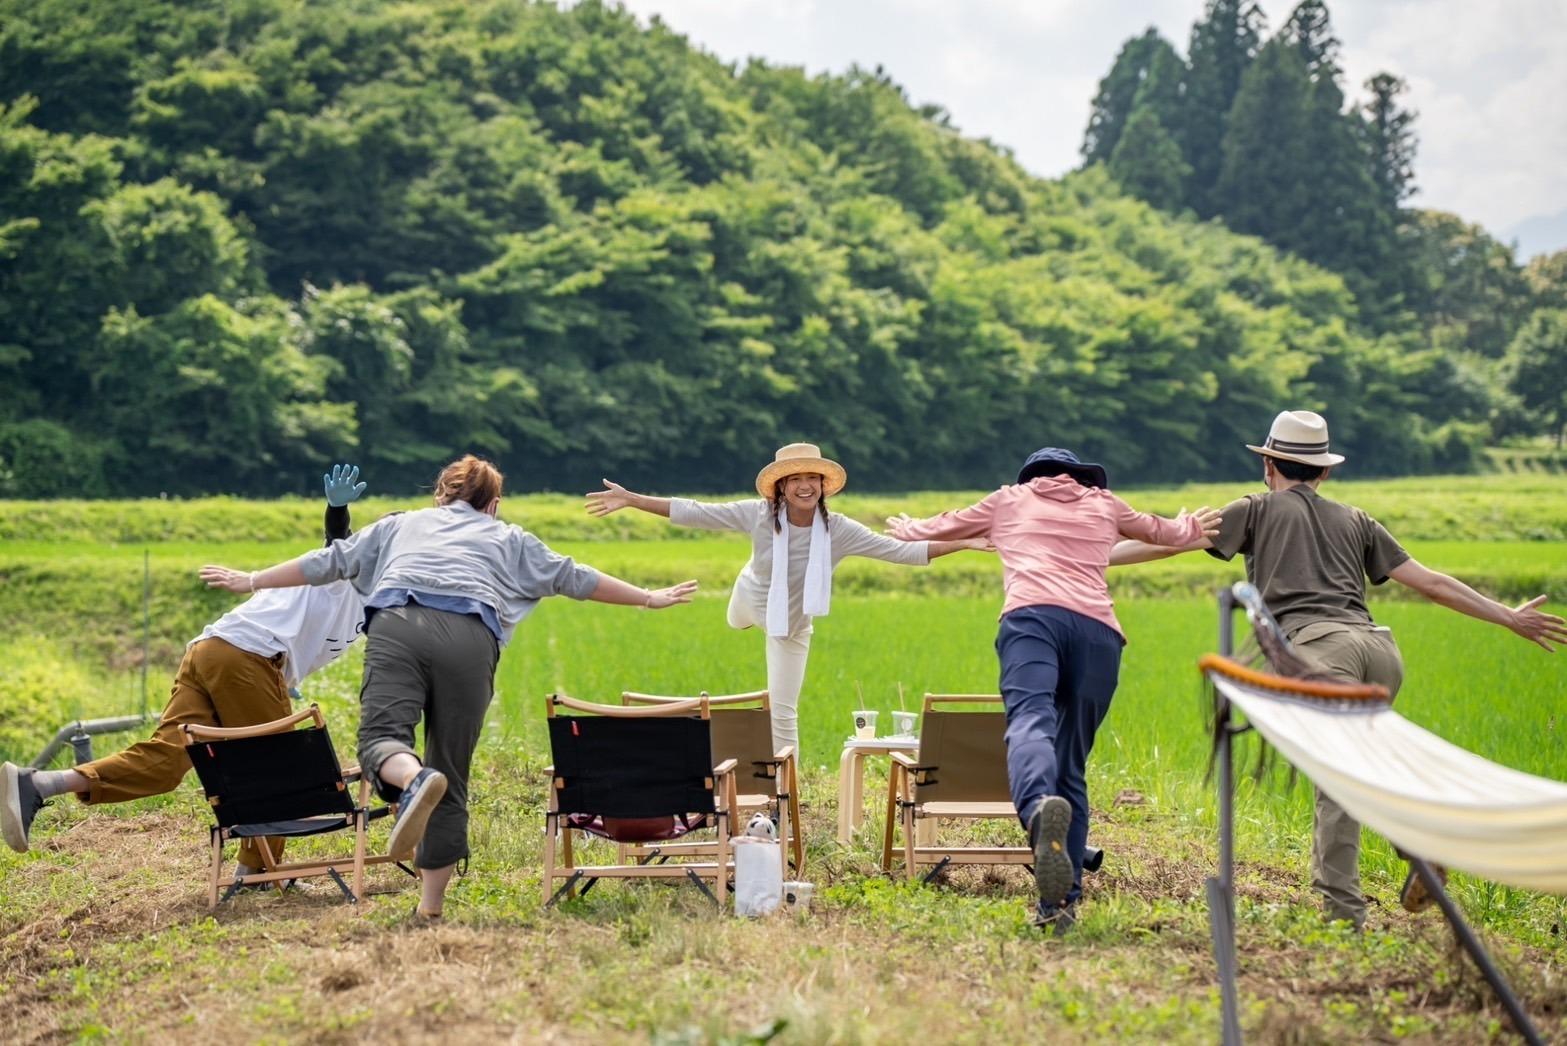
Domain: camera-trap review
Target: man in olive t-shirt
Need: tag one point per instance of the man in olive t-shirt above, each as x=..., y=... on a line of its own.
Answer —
x=1310, y=558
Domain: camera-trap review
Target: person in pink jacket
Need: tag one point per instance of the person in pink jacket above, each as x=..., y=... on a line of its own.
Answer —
x=1059, y=642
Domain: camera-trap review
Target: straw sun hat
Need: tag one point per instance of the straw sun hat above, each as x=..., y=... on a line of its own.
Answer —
x=795, y=459
x=1298, y=435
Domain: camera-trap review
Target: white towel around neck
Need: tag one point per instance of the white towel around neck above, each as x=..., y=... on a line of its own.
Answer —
x=817, y=596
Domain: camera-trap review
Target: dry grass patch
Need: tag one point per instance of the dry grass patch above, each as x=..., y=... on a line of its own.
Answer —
x=104, y=931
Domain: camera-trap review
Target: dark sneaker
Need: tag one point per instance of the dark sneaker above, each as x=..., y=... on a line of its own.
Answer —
x=19, y=804
x=1055, y=921
x=413, y=812
x=1414, y=896
x=1047, y=834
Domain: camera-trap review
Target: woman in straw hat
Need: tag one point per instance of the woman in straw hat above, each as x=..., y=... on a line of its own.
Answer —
x=795, y=547
x=1059, y=643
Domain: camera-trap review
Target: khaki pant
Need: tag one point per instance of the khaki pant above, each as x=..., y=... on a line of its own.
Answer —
x=436, y=666
x=217, y=684
x=1352, y=654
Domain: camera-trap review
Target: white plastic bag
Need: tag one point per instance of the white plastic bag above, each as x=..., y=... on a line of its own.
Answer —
x=758, y=876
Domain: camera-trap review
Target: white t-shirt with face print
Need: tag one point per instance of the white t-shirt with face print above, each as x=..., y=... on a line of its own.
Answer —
x=310, y=625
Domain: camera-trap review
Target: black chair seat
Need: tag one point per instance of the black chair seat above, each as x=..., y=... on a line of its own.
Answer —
x=291, y=829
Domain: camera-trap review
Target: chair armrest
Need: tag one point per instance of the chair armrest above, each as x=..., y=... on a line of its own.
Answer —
x=784, y=754
x=198, y=732
x=352, y=773
x=549, y=771
x=904, y=760
x=725, y=767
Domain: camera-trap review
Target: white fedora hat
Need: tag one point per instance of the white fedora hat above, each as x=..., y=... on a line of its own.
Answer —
x=1298, y=435
x=796, y=458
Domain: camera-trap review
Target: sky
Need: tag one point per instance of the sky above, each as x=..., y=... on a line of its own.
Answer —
x=1488, y=79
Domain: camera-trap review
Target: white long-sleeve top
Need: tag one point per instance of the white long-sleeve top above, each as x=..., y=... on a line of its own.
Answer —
x=754, y=517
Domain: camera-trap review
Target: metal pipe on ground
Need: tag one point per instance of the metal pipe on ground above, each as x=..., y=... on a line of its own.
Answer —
x=80, y=733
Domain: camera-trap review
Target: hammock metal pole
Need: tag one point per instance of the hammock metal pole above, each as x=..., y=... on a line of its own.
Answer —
x=1221, y=889
x=1477, y=952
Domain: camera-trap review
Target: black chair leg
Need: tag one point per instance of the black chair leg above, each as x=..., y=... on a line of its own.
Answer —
x=338, y=879
x=700, y=885
x=564, y=887
x=930, y=876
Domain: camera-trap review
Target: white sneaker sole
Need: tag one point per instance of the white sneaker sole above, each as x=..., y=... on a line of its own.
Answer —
x=11, y=809
x=411, y=820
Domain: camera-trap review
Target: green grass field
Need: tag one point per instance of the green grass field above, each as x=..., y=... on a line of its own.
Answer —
x=103, y=931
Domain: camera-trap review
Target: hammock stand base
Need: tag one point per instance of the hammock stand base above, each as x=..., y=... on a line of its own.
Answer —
x=1221, y=887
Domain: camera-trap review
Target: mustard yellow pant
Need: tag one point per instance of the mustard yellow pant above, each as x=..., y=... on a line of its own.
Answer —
x=217, y=684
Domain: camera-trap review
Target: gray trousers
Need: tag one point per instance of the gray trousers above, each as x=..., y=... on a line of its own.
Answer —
x=438, y=666
x=1353, y=655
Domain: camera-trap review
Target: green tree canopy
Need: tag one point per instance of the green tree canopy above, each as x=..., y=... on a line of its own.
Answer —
x=238, y=241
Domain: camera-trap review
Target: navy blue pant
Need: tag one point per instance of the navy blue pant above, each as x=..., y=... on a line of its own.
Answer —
x=1059, y=670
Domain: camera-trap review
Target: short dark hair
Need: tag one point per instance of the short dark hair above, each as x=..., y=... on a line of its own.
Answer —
x=1297, y=472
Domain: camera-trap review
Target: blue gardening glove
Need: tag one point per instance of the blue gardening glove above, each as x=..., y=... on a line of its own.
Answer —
x=341, y=486
x=294, y=693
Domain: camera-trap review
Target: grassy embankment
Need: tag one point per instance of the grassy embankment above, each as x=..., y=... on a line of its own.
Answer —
x=103, y=928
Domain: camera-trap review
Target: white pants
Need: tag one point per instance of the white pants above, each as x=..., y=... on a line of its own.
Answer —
x=786, y=657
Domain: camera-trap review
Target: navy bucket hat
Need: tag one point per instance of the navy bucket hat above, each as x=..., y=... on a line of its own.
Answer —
x=1052, y=461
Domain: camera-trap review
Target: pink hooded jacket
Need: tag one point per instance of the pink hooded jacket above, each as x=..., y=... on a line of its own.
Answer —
x=1055, y=536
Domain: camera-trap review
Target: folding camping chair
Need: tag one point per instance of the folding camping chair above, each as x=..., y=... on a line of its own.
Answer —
x=273, y=780
x=767, y=781
x=635, y=775
x=960, y=772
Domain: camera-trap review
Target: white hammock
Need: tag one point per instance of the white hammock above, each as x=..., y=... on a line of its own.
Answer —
x=1426, y=796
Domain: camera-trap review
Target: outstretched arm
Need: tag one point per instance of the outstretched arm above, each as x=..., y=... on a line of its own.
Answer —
x=623, y=593
x=946, y=548
x=1537, y=627
x=281, y=575
x=1133, y=551
x=971, y=522
x=614, y=497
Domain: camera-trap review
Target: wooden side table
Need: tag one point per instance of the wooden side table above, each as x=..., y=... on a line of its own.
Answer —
x=851, y=777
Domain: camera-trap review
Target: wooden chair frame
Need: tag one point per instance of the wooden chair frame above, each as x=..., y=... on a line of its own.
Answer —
x=783, y=805
x=277, y=872
x=558, y=831
x=909, y=774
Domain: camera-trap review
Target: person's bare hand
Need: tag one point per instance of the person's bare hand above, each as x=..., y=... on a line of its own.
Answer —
x=979, y=544
x=241, y=581
x=659, y=598
x=898, y=525
x=612, y=498
x=1538, y=627
x=1207, y=518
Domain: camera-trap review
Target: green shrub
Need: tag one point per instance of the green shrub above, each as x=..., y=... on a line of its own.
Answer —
x=43, y=459
x=43, y=687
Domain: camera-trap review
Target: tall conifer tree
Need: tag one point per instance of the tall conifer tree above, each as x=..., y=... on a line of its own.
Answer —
x=1148, y=163
x=1390, y=139
x=1223, y=44
x=1260, y=188
x=1148, y=72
